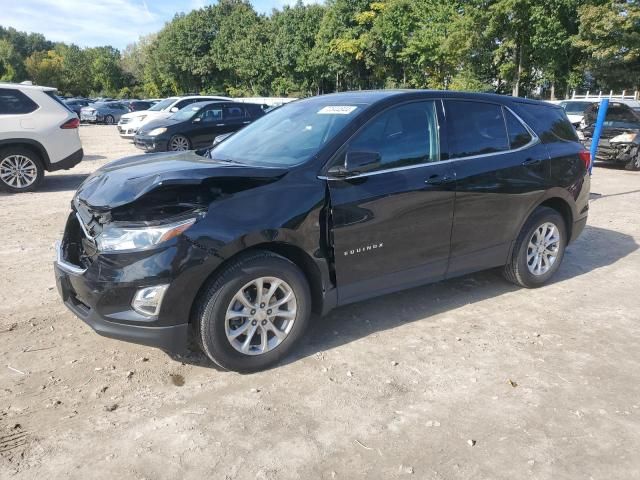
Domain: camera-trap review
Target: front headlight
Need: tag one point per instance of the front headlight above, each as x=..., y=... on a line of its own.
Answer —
x=157, y=131
x=113, y=239
x=624, y=138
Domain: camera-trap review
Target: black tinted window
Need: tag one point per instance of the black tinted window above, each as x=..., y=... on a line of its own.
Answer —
x=233, y=112
x=519, y=136
x=184, y=103
x=211, y=115
x=403, y=135
x=14, y=102
x=475, y=128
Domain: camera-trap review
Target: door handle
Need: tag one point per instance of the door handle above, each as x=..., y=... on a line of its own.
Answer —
x=247, y=122
x=436, y=179
x=530, y=162
x=219, y=124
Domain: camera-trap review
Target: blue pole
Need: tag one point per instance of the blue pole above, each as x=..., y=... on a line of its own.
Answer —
x=595, y=140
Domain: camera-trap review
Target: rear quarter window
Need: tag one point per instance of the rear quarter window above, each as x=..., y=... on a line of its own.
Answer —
x=549, y=122
x=14, y=102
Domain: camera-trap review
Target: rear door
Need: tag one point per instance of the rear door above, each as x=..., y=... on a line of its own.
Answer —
x=392, y=226
x=501, y=170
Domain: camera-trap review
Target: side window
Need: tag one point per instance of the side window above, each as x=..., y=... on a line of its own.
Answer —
x=233, y=113
x=14, y=102
x=519, y=136
x=211, y=115
x=183, y=103
x=475, y=128
x=403, y=135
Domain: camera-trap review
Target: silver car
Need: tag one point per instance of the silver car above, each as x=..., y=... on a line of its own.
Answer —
x=103, y=112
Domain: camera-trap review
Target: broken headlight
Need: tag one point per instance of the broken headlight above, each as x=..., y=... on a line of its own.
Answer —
x=624, y=138
x=114, y=238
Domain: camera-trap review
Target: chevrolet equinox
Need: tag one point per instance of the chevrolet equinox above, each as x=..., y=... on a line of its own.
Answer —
x=320, y=203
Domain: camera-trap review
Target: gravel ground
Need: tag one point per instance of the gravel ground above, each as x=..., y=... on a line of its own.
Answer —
x=469, y=378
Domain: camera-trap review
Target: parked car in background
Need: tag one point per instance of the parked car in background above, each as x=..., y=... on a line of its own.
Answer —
x=323, y=202
x=37, y=132
x=103, y=112
x=575, y=110
x=195, y=126
x=131, y=122
x=76, y=104
x=620, y=136
x=139, y=105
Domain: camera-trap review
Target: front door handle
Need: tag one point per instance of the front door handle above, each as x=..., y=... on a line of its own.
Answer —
x=219, y=124
x=436, y=179
x=530, y=162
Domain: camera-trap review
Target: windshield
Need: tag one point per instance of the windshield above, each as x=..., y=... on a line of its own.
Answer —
x=162, y=105
x=186, y=113
x=290, y=135
x=575, y=108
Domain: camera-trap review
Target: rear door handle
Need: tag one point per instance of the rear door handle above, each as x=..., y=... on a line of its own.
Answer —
x=530, y=162
x=436, y=179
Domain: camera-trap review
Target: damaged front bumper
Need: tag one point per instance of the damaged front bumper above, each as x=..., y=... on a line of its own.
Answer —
x=100, y=290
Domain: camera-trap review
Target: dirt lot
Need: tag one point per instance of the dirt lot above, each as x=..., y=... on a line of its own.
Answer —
x=470, y=378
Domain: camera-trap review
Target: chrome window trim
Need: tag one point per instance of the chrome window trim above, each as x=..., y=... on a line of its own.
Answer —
x=64, y=265
x=534, y=141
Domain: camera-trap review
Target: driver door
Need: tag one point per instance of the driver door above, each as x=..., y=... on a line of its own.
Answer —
x=392, y=224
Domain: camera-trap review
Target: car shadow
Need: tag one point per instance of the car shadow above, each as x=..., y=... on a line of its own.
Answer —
x=62, y=183
x=595, y=248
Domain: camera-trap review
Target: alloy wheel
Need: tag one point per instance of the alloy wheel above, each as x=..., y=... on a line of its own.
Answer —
x=260, y=315
x=179, y=144
x=543, y=248
x=18, y=171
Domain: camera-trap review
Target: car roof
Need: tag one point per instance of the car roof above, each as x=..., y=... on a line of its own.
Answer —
x=369, y=97
x=21, y=86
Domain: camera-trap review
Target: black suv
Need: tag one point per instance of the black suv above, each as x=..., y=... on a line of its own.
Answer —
x=320, y=203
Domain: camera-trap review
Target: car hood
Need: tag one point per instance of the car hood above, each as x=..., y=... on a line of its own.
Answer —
x=157, y=123
x=126, y=180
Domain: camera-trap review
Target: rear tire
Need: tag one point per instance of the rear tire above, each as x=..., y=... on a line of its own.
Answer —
x=242, y=331
x=539, y=249
x=21, y=170
x=109, y=120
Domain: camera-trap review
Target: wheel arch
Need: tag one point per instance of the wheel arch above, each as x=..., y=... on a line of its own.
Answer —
x=293, y=253
x=29, y=144
x=555, y=200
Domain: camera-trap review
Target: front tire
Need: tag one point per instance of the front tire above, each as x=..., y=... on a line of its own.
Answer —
x=179, y=143
x=634, y=163
x=539, y=249
x=253, y=313
x=109, y=120
x=20, y=170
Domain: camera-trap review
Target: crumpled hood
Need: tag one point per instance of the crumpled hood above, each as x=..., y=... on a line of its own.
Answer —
x=124, y=181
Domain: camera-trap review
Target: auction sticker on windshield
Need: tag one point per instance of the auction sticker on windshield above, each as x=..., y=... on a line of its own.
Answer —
x=336, y=110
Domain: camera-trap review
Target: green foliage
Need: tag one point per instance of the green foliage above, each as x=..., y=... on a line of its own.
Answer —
x=520, y=47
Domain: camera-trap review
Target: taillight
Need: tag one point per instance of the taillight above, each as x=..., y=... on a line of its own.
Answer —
x=71, y=123
x=585, y=156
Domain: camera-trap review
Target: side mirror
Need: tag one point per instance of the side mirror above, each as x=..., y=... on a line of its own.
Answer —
x=355, y=163
x=174, y=109
x=219, y=138
x=197, y=120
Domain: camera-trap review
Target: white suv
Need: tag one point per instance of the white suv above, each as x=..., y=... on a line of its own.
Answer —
x=130, y=122
x=37, y=133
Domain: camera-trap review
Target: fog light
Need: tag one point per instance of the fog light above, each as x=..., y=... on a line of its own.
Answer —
x=147, y=301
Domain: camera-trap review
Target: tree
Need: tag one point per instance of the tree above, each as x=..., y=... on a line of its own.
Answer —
x=609, y=35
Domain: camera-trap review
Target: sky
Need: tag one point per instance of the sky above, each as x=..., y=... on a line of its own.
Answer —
x=89, y=23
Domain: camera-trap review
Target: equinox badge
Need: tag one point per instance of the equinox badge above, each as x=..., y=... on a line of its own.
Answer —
x=366, y=248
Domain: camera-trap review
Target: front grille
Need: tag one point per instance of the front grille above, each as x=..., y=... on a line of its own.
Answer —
x=74, y=244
